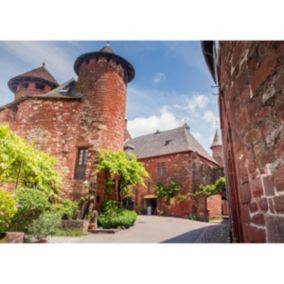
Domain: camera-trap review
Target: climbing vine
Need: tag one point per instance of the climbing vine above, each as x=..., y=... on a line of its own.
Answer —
x=210, y=189
x=22, y=165
x=167, y=191
x=129, y=170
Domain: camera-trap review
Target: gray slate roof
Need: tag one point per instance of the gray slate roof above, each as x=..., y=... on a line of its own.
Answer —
x=66, y=90
x=167, y=142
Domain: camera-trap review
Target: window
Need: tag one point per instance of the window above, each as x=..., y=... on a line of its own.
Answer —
x=161, y=169
x=81, y=163
x=39, y=86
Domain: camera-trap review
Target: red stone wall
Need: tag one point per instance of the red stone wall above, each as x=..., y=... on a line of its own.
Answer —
x=51, y=126
x=214, y=205
x=104, y=102
x=189, y=170
x=252, y=118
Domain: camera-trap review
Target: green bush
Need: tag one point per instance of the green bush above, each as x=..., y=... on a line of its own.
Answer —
x=31, y=203
x=46, y=225
x=67, y=209
x=109, y=207
x=120, y=219
x=8, y=209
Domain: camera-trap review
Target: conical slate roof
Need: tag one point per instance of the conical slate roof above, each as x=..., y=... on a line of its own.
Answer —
x=107, y=49
x=167, y=142
x=108, y=53
x=217, y=141
x=40, y=73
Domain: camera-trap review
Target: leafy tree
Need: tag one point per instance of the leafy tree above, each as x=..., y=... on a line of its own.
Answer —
x=25, y=166
x=129, y=170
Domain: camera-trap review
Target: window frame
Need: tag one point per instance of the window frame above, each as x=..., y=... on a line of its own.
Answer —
x=81, y=163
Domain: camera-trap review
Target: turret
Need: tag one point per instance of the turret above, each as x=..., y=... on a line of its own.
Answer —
x=37, y=81
x=102, y=80
x=217, y=148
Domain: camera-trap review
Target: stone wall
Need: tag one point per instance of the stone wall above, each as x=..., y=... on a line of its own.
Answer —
x=252, y=118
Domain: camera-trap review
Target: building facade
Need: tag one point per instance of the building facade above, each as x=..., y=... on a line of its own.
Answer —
x=73, y=120
x=176, y=156
x=250, y=77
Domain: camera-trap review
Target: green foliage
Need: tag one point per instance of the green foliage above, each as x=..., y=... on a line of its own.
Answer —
x=68, y=232
x=25, y=166
x=46, y=225
x=67, y=209
x=109, y=207
x=167, y=191
x=130, y=171
x=8, y=209
x=31, y=203
x=120, y=219
x=210, y=189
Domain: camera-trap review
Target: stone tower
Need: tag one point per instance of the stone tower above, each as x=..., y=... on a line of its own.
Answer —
x=102, y=80
x=217, y=148
x=37, y=81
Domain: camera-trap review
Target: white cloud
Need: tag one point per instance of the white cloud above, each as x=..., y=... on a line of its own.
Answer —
x=144, y=125
x=197, y=101
x=36, y=52
x=159, y=77
x=210, y=117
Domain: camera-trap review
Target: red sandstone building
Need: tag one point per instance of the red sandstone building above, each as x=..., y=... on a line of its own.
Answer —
x=250, y=77
x=72, y=120
x=176, y=156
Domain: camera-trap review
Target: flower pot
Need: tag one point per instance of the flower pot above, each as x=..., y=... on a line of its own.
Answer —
x=12, y=237
x=75, y=224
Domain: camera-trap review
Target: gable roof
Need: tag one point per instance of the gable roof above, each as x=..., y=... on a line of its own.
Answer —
x=167, y=142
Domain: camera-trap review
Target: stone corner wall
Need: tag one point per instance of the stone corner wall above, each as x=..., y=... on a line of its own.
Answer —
x=252, y=118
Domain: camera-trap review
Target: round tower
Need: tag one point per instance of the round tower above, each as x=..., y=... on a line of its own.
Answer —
x=217, y=148
x=102, y=81
x=37, y=81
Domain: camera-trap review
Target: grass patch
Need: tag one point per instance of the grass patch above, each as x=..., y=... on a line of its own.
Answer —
x=69, y=233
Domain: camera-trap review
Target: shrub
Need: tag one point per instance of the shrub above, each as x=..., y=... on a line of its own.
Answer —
x=31, y=203
x=46, y=225
x=109, y=207
x=121, y=219
x=7, y=210
x=67, y=209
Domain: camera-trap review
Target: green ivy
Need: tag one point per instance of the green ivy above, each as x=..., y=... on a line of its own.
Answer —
x=167, y=191
x=25, y=166
x=129, y=170
x=210, y=189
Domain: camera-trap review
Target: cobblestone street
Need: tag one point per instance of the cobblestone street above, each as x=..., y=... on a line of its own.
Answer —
x=154, y=229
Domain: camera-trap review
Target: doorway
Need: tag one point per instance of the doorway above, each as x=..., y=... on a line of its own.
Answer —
x=150, y=206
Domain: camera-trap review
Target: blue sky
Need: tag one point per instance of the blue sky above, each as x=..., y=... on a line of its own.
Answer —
x=172, y=83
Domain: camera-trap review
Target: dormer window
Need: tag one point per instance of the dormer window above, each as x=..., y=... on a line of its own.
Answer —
x=39, y=86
